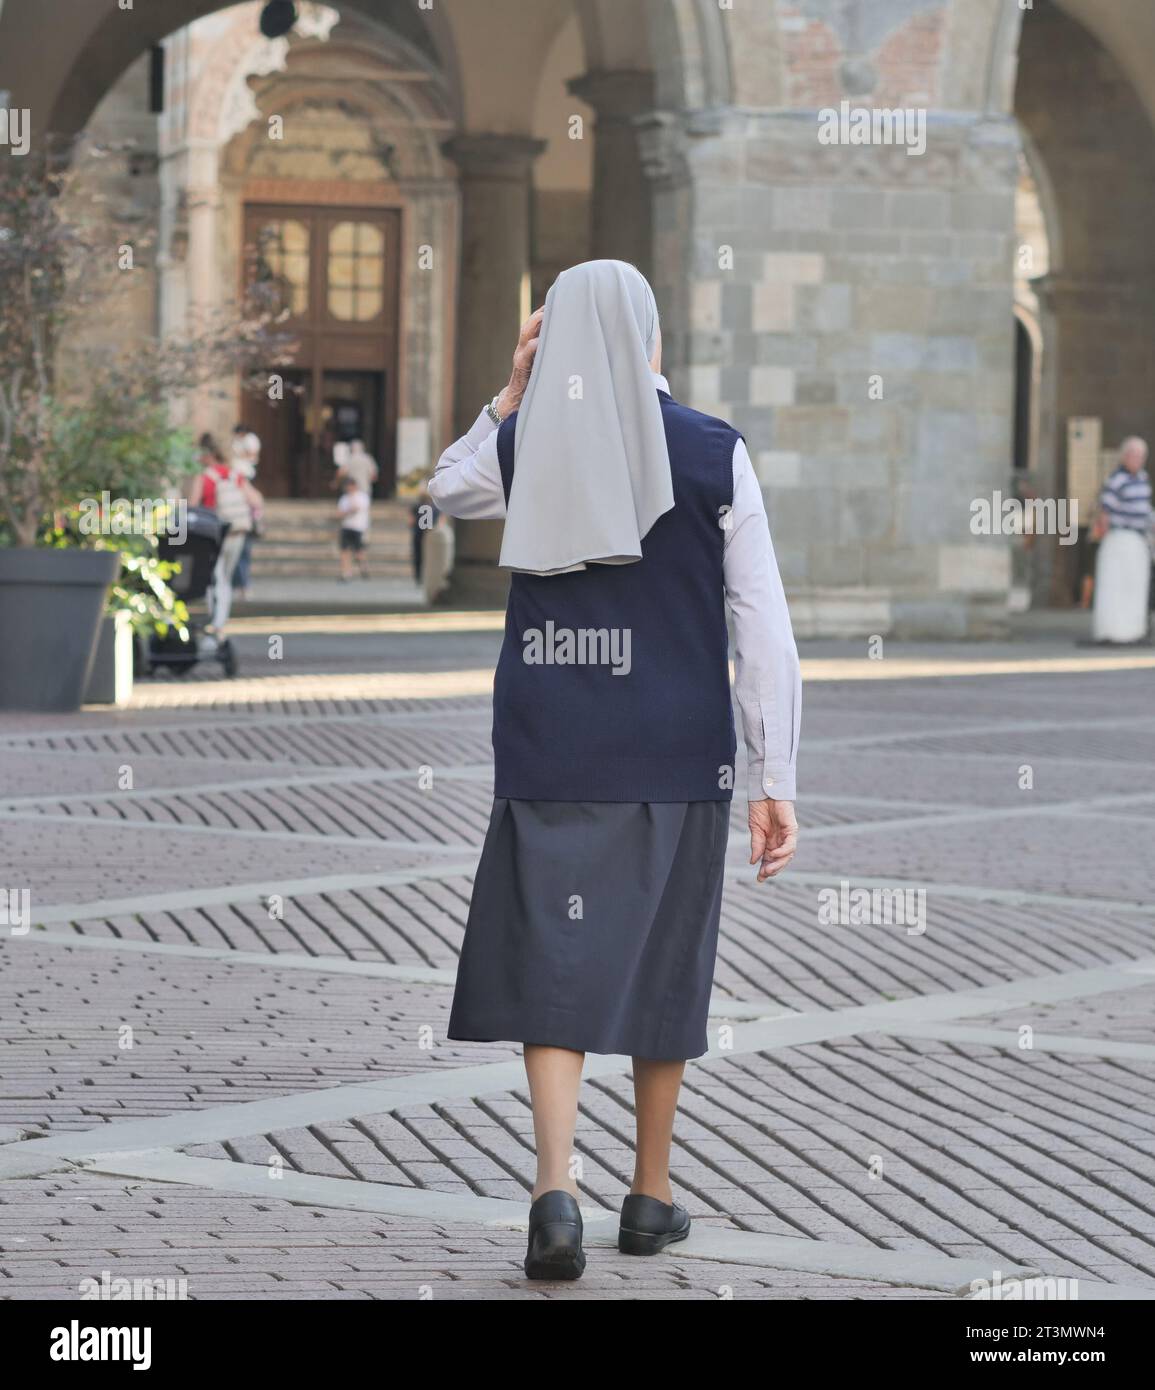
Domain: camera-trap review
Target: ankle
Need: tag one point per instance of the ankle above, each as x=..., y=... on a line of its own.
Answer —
x=649, y=1187
x=544, y=1186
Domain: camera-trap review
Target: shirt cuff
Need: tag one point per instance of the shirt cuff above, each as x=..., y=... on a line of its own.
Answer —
x=762, y=782
x=481, y=428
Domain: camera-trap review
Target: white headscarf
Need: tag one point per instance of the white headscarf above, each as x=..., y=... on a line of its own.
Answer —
x=591, y=466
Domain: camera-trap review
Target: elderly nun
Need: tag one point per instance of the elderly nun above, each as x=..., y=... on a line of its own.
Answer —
x=631, y=521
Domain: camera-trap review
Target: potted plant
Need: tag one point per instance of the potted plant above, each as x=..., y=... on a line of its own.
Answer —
x=141, y=604
x=81, y=431
x=50, y=600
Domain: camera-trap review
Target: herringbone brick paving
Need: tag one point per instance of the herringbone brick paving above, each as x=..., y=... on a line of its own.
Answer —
x=967, y=1146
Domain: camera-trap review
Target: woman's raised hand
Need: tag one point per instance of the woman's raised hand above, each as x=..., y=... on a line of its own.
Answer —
x=523, y=356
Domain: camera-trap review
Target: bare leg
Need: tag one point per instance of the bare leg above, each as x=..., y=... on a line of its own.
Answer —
x=656, y=1086
x=223, y=581
x=555, y=1075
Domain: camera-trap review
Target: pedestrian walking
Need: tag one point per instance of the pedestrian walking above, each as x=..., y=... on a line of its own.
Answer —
x=246, y=455
x=353, y=514
x=1123, y=570
x=630, y=521
x=221, y=489
x=246, y=451
x=359, y=465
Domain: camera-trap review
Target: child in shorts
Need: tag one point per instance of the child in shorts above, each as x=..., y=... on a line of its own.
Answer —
x=353, y=512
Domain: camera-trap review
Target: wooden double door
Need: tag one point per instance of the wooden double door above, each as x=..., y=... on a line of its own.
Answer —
x=334, y=272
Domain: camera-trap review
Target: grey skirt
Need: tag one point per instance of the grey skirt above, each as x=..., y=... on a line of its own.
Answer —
x=594, y=926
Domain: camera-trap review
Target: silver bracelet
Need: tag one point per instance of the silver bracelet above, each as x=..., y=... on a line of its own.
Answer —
x=491, y=410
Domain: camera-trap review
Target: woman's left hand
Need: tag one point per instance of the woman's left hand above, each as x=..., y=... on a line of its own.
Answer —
x=773, y=836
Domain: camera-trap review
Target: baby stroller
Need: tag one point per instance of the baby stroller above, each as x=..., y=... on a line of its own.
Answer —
x=197, y=557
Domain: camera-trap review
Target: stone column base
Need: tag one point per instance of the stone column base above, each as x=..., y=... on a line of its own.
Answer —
x=868, y=612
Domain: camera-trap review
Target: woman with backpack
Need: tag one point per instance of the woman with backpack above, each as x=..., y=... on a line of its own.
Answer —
x=222, y=489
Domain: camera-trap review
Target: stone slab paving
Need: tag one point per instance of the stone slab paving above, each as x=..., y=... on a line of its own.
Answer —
x=1111, y=857
x=275, y=910
x=29, y=771
x=56, y=1232
x=775, y=945
x=414, y=920
x=356, y=807
x=76, y=862
x=1126, y=1016
x=968, y=780
x=266, y=736
x=873, y=1142
x=201, y=1034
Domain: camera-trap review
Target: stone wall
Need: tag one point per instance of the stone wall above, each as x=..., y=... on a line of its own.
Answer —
x=116, y=195
x=863, y=343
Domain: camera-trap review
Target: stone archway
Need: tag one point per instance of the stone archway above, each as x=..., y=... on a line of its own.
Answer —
x=59, y=59
x=795, y=273
x=685, y=43
x=656, y=60
x=361, y=114
x=105, y=38
x=1089, y=129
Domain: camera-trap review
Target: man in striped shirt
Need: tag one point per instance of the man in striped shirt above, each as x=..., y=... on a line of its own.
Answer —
x=1126, y=495
x=1123, y=572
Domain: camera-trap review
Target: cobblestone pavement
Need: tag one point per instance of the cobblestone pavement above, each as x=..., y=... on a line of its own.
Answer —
x=224, y=1052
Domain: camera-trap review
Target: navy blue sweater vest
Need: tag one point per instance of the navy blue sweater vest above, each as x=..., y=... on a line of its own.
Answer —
x=613, y=682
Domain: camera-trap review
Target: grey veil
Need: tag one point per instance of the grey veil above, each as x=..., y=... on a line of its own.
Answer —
x=591, y=467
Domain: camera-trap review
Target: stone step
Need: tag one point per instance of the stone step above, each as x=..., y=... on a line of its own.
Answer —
x=322, y=520
x=300, y=540
x=328, y=521
x=325, y=535
x=322, y=559
x=325, y=506
x=320, y=511
x=272, y=546
x=282, y=569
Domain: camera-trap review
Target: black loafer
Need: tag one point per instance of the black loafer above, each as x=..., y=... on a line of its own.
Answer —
x=555, y=1238
x=649, y=1225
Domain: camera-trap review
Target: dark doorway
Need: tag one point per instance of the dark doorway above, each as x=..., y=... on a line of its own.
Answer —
x=280, y=425
x=352, y=408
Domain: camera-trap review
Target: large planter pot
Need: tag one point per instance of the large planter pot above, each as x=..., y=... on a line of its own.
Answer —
x=51, y=603
x=110, y=679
